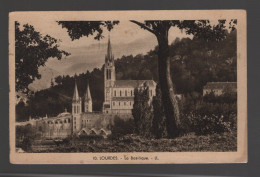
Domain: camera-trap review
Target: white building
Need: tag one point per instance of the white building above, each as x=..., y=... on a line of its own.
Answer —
x=119, y=94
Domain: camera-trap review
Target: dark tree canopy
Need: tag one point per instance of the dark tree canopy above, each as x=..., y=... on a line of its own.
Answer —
x=202, y=29
x=78, y=29
x=32, y=50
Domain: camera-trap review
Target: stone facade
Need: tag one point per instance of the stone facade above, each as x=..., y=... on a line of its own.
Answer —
x=119, y=94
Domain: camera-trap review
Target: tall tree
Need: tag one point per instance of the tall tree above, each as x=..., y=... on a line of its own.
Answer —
x=142, y=111
x=160, y=28
x=159, y=120
x=32, y=50
x=200, y=29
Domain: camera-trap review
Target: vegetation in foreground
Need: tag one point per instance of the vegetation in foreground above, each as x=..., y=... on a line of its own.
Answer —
x=207, y=124
x=133, y=143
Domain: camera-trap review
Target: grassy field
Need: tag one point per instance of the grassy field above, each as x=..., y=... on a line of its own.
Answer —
x=187, y=143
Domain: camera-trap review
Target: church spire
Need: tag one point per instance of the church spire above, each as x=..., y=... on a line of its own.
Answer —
x=87, y=94
x=109, y=56
x=76, y=93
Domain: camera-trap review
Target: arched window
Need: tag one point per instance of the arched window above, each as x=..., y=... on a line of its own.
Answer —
x=119, y=103
x=114, y=93
x=131, y=93
x=107, y=73
x=126, y=93
x=125, y=103
x=120, y=93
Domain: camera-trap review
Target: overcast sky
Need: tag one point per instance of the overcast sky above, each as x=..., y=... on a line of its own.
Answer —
x=126, y=38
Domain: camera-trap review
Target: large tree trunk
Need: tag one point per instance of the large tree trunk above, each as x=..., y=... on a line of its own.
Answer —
x=169, y=101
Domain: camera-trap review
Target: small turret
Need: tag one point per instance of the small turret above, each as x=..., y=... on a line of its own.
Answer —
x=76, y=93
x=88, y=100
x=76, y=109
x=76, y=101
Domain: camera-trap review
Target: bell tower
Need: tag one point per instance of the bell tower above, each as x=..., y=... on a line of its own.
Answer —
x=109, y=77
x=109, y=72
x=76, y=109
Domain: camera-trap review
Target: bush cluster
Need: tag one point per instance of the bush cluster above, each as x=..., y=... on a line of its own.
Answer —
x=121, y=127
x=209, y=115
x=203, y=125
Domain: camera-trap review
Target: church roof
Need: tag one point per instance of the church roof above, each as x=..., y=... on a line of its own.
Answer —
x=133, y=83
x=122, y=98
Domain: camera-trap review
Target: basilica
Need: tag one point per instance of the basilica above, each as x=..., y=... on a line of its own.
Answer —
x=119, y=94
x=118, y=100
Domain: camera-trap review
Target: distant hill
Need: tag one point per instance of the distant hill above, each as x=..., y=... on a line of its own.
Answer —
x=82, y=67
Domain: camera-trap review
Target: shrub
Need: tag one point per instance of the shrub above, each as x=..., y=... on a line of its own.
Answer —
x=121, y=127
x=25, y=136
x=203, y=125
x=90, y=137
x=204, y=117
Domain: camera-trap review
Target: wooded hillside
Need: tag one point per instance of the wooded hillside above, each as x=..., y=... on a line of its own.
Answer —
x=193, y=64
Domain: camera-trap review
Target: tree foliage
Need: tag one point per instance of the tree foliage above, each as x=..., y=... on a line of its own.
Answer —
x=32, y=50
x=202, y=29
x=78, y=29
x=142, y=111
x=24, y=137
x=121, y=127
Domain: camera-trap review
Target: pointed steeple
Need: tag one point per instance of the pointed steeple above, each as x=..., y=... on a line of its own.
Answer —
x=109, y=55
x=76, y=93
x=87, y=94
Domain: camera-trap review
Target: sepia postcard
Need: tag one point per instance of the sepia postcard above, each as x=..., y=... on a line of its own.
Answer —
x=128, y=87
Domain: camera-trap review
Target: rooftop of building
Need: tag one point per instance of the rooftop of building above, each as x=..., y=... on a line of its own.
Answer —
x=133, y=83
x=220, y=85
x=123, y=98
